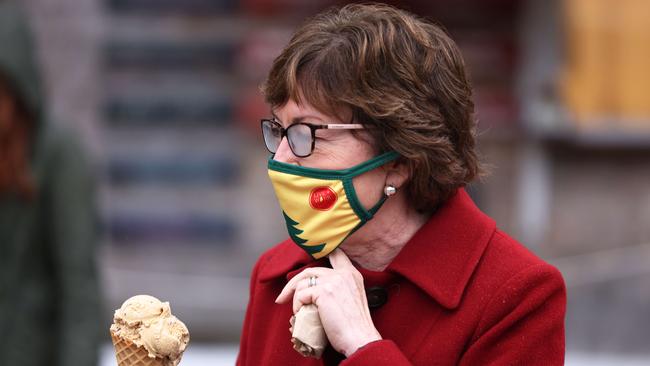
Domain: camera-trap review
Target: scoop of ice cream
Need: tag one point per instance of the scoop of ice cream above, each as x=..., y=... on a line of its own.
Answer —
x=166, y=336
x=142, y=308
x=147, y=322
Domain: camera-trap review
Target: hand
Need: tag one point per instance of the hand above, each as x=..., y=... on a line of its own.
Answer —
x=341, y=300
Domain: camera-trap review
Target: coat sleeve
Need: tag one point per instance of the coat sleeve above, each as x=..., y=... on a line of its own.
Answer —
x=382, y=352
x=245, y=336
x=523, y=324
x=73, y=221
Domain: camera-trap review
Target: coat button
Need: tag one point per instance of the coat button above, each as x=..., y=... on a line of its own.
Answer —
x=377, y=296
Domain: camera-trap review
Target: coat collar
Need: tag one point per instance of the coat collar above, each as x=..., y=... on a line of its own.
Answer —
x=439, y=259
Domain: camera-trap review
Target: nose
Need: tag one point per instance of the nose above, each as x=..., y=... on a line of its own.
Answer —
x=284, y=154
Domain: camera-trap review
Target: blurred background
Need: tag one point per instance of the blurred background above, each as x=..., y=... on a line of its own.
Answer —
x=164, y=94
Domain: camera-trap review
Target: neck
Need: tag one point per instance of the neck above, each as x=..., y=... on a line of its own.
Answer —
x=376, y=244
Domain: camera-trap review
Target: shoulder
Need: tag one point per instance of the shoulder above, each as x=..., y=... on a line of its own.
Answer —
x=512, y=278
x=517, y=306
x=504, y=258
x=517, y=295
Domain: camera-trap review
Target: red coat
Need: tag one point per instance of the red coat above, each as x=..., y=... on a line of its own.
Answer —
x=460, y=292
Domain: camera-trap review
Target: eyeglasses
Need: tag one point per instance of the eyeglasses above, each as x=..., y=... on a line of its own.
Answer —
x=301, y=136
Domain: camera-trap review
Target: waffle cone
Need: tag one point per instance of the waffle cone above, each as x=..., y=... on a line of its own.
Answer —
x=129, y=354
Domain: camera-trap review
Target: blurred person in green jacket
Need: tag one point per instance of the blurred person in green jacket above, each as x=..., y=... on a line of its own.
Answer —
x=49, y=295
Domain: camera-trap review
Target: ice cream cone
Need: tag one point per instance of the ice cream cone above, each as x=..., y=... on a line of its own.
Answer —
x=145, y=333
x=129, y=354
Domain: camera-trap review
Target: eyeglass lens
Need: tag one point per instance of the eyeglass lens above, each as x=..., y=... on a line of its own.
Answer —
x=272, y=135
x=298, y=135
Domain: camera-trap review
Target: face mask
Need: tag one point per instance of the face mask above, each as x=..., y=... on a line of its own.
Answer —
x=321, y=207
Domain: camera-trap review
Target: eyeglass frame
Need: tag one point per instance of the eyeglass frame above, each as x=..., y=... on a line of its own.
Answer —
x=312, y=128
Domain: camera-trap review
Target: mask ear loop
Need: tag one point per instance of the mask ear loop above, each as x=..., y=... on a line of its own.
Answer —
x=389, y=190
x=376, y=207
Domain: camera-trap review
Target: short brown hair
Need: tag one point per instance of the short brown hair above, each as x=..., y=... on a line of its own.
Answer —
x=397, y=72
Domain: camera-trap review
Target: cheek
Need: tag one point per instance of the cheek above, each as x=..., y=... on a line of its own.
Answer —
x=323, y=159
x=330, y=157
x=369, y=188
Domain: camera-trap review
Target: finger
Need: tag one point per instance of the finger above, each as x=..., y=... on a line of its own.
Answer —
x=340, y=260
x=292, y=321
x=343, y=265
x=303, y=284
x=305, y=296
x=290, y=287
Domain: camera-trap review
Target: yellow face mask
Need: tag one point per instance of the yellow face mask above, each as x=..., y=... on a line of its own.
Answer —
x=321, y=207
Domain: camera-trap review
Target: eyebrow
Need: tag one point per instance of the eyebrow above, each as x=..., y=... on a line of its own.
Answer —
x=297, y=119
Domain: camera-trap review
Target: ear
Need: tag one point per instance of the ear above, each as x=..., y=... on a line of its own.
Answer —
x=397, y=173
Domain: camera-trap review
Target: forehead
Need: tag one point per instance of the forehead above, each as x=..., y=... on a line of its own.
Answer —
x=293, y=112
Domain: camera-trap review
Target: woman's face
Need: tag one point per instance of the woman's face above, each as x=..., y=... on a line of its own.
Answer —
x=333, y=149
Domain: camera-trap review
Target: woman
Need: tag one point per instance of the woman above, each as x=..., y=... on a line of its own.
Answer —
x=49, y=292
x=372, y=138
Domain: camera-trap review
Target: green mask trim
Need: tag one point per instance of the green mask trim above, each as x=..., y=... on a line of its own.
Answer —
x=332, y=173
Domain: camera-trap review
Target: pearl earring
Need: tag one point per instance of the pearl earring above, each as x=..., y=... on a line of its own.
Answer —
x=390, y=190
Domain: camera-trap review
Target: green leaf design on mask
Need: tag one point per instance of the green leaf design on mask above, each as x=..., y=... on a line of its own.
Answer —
x=294, y=232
